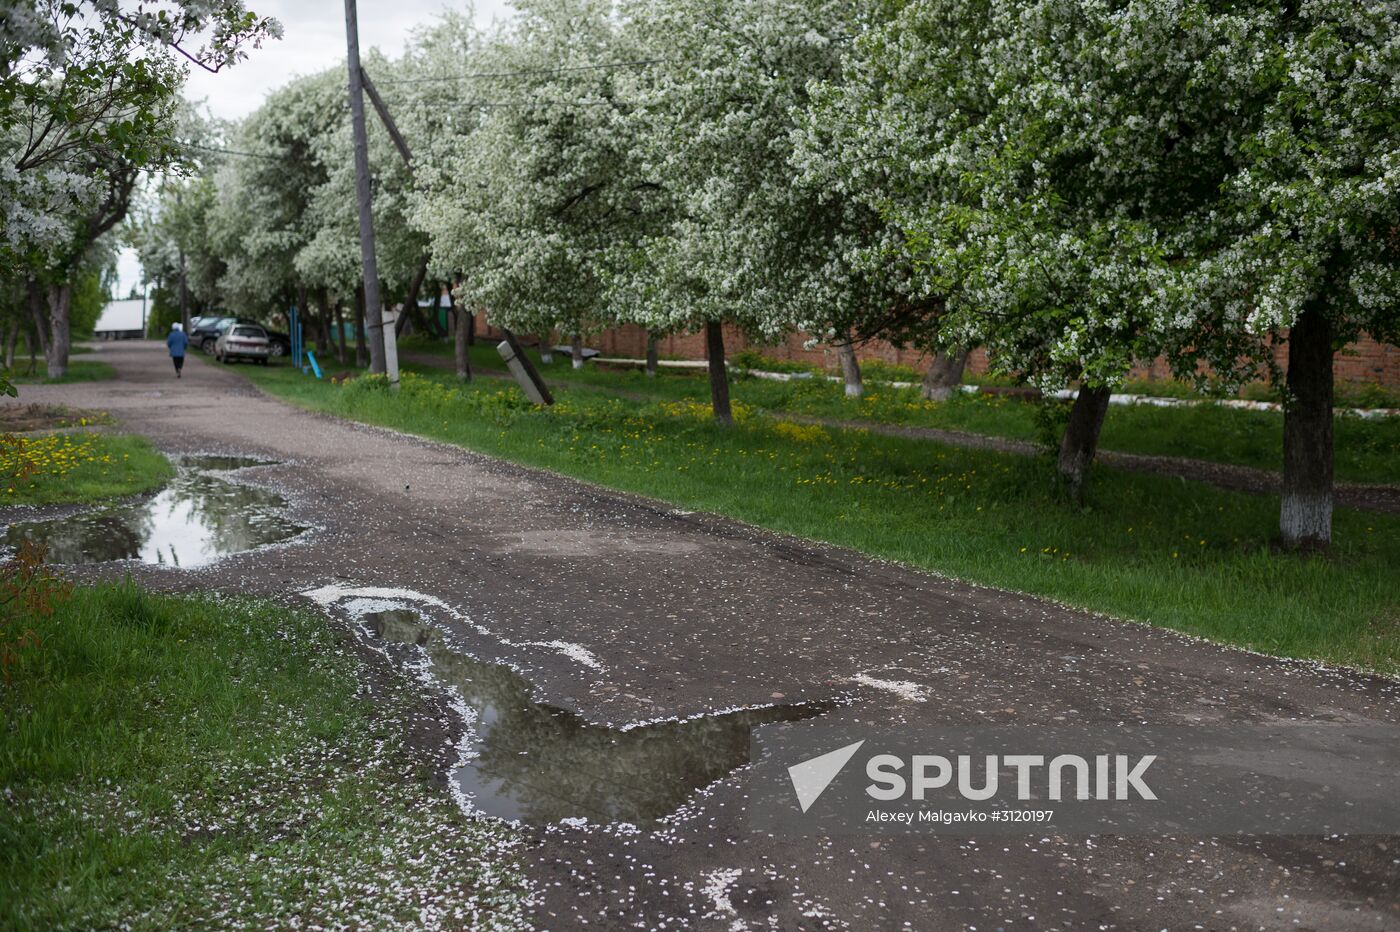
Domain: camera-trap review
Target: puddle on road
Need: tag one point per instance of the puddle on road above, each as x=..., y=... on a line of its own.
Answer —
x=194, y=520
x=540, y=764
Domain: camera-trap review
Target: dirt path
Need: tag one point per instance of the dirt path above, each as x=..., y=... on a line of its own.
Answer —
x=626, y=610
x=1362, y=496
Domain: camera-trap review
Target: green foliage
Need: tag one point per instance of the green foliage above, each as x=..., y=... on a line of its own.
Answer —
x=90, y=296
x=28, y=591
x=753, y=359
x=877, y=370
x=83, y=370
x=1367, y=450
x=77, y=467
x=1051, y=416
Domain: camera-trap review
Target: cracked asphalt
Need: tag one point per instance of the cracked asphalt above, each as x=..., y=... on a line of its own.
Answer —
x=685, y=614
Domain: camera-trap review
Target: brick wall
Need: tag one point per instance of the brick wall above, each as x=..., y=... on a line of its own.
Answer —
x=1363, y=361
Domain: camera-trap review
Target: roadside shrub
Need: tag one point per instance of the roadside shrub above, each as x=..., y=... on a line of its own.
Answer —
x=28, y=590
x=877, y=370
x=688, y=410
x=802, y=433
x=753, y=359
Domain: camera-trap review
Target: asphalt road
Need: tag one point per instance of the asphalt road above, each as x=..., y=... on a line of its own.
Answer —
x=626, y=610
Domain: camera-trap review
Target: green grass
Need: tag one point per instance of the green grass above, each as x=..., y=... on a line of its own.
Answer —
x=185, y=761
x=1182, y=555
x=77, y=467
x=79, y=370
x=1366, y=450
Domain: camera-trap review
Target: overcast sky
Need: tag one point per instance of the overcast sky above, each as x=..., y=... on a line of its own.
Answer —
x=313, y=40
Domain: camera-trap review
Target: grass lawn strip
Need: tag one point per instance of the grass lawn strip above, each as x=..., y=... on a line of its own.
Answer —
x=1367, y=450
x=79, y=370
x=1178, y=554
x=177, y=761
x=77, y=467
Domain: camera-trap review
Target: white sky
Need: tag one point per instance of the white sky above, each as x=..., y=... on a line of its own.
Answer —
x=313, y=40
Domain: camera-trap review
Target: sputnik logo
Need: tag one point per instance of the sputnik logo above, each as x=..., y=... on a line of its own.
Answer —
x=811, y=777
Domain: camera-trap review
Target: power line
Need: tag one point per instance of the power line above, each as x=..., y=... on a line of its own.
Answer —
x=484, y=104
x=251, y=155
x=524, y=72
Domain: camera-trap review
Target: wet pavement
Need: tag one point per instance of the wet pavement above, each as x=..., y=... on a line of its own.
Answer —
x=611, y=613
x=540, y=764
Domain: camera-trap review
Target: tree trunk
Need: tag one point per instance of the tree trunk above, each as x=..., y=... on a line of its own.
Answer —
x=323, y=319
x=410, y=301
x=338, y=341
x=362, y=351
x=38, y=310
x=944, y=375
x=719, y=376
x=461, y=345
x=470, y=320
x=31, y=343
x=546, y=349
x=60, y=300
x=850, y=367
x=11, y=338
x=651, y=355
x=1305, y=518
x=372, y=335
x=184, y=296
x=576, y=350
x=306, y=320
x=1081, y=438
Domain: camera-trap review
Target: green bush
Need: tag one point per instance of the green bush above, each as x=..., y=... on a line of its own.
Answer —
x=753, y=359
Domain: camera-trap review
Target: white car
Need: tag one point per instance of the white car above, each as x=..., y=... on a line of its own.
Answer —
x=243, y=341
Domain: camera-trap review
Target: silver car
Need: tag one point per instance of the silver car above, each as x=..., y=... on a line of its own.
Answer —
x=243, y=341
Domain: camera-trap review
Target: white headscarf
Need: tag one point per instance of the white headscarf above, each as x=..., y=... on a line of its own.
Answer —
x=177, y=326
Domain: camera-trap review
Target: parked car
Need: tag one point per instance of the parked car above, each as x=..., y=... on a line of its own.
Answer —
x=243, y=341
x=281, y=344
x=207, y=333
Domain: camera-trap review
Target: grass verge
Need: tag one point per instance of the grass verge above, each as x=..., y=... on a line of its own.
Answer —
x=1367, y=450
x=186, y=761
x=77, y=467
x=1182, y=555
x=79, y=370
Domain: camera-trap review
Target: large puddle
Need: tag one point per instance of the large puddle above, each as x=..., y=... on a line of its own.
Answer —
x=194, y=520
x=539, y=764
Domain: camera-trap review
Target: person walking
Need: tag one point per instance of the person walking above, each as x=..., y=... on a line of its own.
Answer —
x=177, y=342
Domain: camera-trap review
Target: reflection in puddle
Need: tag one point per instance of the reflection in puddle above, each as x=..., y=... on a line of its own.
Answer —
x=194, y=520
x=539, y=764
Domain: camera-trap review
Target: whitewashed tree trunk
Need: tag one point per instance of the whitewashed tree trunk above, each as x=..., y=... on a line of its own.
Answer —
x=944, y=375
x=850, y=368
x=1305, y=514
x=576, y=351
x=461, y=341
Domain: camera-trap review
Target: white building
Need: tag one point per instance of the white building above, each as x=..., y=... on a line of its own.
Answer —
x=122, y=320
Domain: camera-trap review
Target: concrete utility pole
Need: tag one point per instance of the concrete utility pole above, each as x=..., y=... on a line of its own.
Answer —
x=184, y=290
x=382, y=353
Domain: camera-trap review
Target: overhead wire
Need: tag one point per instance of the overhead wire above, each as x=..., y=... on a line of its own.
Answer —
x=524, y=72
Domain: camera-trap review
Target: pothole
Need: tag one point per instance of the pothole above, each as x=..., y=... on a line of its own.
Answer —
x=540, y=764
x=196, y=519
